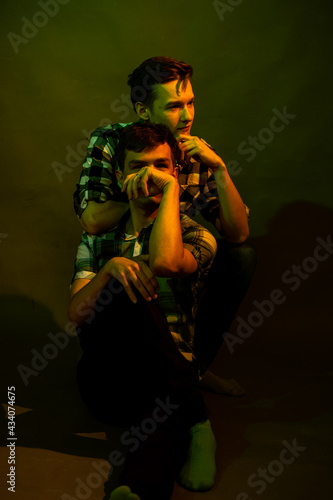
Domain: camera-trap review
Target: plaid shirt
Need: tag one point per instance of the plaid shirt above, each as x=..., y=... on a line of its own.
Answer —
x=177, y=297
x=98, y=182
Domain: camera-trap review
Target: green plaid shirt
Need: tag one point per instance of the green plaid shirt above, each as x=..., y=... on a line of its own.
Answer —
x=98, y=182
x=178, y=297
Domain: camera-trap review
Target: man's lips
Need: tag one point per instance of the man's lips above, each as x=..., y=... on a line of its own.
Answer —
x=187, y=127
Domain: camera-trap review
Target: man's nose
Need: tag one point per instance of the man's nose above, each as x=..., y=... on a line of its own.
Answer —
x=186, y=115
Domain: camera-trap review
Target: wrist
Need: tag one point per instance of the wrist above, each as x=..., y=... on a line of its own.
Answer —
x=172, y=184
x=107, y=269
x=219, y=166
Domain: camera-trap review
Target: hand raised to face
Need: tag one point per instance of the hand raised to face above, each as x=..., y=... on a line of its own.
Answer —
x=199, y=150
x=148, y=181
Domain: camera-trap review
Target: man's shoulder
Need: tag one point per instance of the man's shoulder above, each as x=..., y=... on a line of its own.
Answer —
x=188, y=224
x=198, y=237
x=112, y=130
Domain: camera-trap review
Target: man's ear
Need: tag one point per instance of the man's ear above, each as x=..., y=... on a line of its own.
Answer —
x=175, y=172
x=120, y=176
x=142, y=111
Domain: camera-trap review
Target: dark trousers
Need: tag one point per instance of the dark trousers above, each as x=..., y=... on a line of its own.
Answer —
x=228, y=281
x=131, y=373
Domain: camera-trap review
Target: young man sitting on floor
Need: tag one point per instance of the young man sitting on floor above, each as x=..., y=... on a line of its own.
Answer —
x=136, y=327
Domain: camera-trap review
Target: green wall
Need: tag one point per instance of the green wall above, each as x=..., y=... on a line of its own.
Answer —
x=65, y=77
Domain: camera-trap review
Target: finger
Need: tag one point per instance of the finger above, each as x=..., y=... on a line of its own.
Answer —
x=124, y=186
x=184, y=137
x=188, y=146
x=130, y=294
x=127, y=187
x=136, y=180
x=143, y=261
x=131, y=188
x=147, y=283
x=142, y=289
x=127, y=287
x=143, y=182
x=150, y=275
x=134, y=278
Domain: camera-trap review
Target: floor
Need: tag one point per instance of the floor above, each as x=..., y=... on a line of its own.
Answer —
x=61, y=451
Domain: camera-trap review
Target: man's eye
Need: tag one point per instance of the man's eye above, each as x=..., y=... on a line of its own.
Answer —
x=161, y=165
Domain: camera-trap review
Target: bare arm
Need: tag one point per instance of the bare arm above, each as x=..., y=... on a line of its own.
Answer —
x=167, y=255
x=99, y=217
x=233, y=216
x=84, y=292
x=83, y=297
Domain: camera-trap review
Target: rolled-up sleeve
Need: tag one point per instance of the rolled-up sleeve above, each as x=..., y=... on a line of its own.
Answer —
x=85, y=262
x=200, y=242
x=98, y=181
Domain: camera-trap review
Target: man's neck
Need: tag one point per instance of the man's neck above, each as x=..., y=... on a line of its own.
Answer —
x=141, y=216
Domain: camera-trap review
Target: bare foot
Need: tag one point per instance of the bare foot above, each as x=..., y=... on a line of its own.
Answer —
x=228, y=387
x=123, y=493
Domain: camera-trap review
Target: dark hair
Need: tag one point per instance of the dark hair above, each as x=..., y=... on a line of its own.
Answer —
x=143, y=136
x=153, y=71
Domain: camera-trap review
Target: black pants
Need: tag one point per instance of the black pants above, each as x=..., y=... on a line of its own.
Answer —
x=131, y=373
x=130, y=364
x=228, y=281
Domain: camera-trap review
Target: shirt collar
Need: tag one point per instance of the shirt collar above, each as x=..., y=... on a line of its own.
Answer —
x=120, y=230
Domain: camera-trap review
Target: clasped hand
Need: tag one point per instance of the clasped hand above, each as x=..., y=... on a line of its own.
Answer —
x=134, y=270
x=148, y=181
x=196, y=148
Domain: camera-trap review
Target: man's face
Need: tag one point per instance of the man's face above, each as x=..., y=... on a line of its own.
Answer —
x=173, y=106
x=159, y=158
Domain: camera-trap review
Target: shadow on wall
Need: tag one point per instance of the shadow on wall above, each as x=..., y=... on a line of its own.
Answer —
x=296, y=256
x=281, y=337
x=39, y=360
x=286, y=313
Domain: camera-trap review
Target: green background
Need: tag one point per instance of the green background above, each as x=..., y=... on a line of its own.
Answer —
x=68, y=78
x=65, y=79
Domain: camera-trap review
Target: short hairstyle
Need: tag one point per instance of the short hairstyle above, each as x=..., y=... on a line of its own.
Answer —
x=153, y=71
x=143, y=136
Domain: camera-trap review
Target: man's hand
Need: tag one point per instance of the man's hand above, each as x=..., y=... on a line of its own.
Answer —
x=136, y=271
x=195, y=148
x=150, y=282
x=148, y=181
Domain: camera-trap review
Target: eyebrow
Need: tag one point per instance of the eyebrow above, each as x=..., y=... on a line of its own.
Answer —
x=141, y=162
x=179, y=102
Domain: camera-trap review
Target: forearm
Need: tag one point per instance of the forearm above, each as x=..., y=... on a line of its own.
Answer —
x=166, y=250
x=100, y=217
x=233, y=216
x=83, y=300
